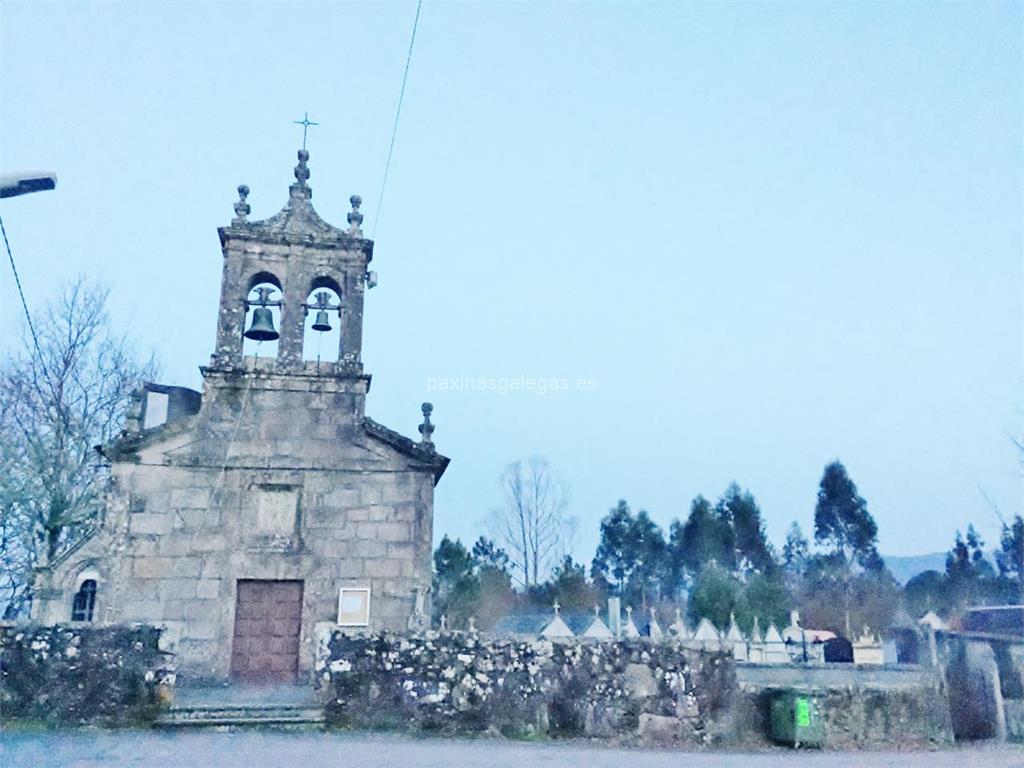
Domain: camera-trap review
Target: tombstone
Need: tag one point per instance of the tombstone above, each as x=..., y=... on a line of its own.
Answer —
x=838, y=650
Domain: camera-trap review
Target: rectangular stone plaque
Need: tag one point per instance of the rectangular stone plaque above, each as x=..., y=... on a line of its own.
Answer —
x=275, y=511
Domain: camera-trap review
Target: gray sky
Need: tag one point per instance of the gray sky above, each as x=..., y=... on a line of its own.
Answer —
x=765, y=236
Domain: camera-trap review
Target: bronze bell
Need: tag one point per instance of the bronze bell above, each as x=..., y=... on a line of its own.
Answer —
x=262, y=327
x=321, y=323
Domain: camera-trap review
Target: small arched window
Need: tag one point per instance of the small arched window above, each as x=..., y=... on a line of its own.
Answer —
x=84, y=602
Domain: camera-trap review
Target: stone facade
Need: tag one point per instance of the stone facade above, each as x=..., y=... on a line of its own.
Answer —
x=275, y=474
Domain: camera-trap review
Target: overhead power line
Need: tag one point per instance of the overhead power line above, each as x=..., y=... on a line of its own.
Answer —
x=21, y=293
x=398, y=114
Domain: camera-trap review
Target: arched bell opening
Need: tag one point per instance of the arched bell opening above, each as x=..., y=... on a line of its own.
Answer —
x=321, y=336
x=262, y=317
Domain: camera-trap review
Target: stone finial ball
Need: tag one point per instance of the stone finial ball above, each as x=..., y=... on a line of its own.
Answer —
x=427, y=408
x=356, y=201
x=303, y=155
x=243, y=190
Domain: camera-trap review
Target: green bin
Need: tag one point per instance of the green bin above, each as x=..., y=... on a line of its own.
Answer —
x=796, y=719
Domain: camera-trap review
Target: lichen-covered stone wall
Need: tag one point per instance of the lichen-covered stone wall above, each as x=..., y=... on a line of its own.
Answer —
x=458, y=683
x=72, y=674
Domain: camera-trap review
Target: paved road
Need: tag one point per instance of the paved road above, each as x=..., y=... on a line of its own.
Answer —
x=85, y=749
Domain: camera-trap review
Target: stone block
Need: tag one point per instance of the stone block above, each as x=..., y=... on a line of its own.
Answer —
x=208, y=588
x=146, y=590
x=151, y=567
x=177, y=589
x=383, y=568
x=404, y=512
x=379, y=514
x=150, y=523
x=144, y=547
x=394, y=532
x=342, y=498
x=370, y=494
x=203, y=630
x=173, y=609
x=639, y=681
x=602, y=721
x=176, y=544
x=402, y=550
x=201, y=611
x=195, y=519
x=135, y=610
x=373, y=549
x=212, y=567
x=351, y=568
x=191, y=498
x=367, y=530
x=209, y=542
x=185, y=567
x=659, y=728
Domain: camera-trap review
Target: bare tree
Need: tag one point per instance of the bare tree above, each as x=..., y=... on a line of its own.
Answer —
x=531, y=523
x=57, y=403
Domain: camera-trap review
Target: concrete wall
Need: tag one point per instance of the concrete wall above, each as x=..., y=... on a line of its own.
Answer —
x=985, y=679
x=862, y=706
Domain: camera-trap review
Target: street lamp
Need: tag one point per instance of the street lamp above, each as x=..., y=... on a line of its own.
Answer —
x=24, y=182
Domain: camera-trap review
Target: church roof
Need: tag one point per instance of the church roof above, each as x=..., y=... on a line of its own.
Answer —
x=408, y=446
x=128, y=443
x=298, y=222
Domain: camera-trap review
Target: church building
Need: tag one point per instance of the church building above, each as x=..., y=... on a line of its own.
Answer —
x=248, y=519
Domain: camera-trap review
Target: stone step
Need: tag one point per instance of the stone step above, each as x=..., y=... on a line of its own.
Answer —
x=201, y=711
x=207, y=716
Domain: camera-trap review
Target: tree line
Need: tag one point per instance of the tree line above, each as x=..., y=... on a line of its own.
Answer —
x=719, y=563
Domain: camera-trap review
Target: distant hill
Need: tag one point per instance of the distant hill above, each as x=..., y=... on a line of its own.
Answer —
x=906, y=567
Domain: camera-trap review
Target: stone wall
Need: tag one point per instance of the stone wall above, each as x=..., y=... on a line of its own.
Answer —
x=457, y=683
x=862, y=706
x=68, y=674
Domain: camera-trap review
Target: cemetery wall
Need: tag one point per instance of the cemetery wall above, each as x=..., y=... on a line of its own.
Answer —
x=458, y=683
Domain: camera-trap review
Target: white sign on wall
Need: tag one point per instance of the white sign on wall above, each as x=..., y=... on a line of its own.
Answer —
x=354, y=606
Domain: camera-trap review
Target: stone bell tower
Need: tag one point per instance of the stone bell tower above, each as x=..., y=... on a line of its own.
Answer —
x=282, y=263
x=295, y=253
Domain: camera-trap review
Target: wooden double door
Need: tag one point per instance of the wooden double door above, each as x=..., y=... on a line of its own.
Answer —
x=268, y=622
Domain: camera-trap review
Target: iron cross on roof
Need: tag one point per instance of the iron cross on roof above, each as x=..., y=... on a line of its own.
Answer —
x=305, y=122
